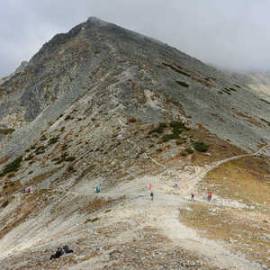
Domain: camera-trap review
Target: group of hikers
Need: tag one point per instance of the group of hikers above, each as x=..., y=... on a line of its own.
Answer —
x=209, y=196
x=66, y=250
x=149, y=187
x=61, y=251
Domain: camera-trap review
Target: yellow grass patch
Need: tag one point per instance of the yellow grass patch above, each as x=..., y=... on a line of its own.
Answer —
x=246, y=179
x=245, y=231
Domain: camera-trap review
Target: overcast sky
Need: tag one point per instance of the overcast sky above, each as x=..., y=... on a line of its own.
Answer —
x=231, y=34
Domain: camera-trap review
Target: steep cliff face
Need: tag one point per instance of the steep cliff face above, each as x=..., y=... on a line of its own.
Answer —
x=104, y=105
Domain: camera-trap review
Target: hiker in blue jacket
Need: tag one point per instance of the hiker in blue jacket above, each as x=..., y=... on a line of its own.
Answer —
x=98, y=188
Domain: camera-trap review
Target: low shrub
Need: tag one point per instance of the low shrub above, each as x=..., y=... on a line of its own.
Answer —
x=68, y=117
x=163, y=125
x=184, y=84
x=5, y=204
x=43, y=138
x=159, y=129
x=183, y=153
x=12, y=167
x=53, y=140
x=178, y=127
x=29, y=157
x=180, y=141
x=169, y=137
x=71, y=169
x=189, y=150
x=70, y=158
x=200, y=146
x=64, y=157
x=132, y=120
x=40, y=150
x=6, y=131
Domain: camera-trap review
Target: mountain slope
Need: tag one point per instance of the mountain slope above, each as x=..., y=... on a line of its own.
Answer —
x=99, y=54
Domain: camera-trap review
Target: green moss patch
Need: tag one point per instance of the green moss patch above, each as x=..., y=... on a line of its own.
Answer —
x=200, y=146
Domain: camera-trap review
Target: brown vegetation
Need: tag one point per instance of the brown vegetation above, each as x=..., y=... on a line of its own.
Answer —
x=245, y=231
x=101, y=203
x=246, y=179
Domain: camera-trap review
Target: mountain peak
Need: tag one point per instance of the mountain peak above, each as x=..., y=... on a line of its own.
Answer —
x=96, y=20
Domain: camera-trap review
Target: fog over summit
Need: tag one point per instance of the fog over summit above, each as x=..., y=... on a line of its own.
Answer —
x=228, y=34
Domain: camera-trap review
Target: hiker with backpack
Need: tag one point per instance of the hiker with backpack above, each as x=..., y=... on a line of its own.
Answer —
x=149, y=187
x=61, y=251
x=98, y=188
x=67, y=249
x=209, y=196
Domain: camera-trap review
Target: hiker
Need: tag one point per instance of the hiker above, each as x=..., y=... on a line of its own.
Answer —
x=98, y=188
x=28, y=189
x=192, y=196
x=152, y=195
x=67, y=249
x=59, y=252
x=149, y=186
x=209, y=196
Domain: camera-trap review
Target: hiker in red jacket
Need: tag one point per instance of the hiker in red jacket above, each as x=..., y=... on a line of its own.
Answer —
x=209, y=196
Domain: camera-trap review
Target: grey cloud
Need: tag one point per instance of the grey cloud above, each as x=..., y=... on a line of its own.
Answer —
x=229, y=34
